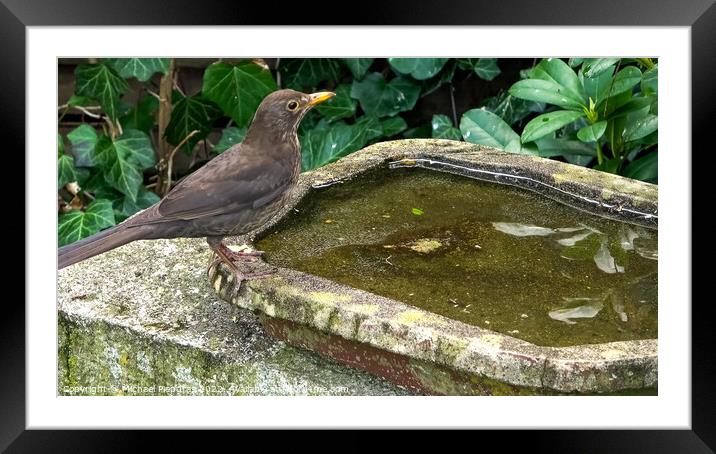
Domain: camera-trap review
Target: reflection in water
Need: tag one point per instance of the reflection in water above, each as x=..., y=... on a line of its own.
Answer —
x=489, y=255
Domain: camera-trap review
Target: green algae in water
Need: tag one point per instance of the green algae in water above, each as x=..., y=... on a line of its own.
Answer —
x=489, y=255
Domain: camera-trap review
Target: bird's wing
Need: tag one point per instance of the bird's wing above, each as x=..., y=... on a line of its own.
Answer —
x=228, y=183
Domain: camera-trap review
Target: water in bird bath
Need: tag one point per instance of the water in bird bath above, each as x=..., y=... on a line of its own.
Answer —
x=490, y=255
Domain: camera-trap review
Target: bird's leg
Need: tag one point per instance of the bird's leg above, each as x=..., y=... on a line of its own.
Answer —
x=222, y=255
x=238, y=256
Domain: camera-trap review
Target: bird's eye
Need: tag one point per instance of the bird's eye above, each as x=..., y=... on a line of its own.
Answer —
x=292, y=105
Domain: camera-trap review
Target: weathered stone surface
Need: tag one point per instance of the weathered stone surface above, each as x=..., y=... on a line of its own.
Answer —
x=397, y=328
x=143, y=320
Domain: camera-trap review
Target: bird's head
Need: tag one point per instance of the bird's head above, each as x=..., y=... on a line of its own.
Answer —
x=282, y=110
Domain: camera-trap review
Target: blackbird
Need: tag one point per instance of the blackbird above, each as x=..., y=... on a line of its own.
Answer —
x=232, y=194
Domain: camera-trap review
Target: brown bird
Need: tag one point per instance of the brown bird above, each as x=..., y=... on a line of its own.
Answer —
x=232, y=194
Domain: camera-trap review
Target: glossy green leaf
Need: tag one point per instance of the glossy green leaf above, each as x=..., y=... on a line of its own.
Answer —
x=329, y=142
x=189, y=114
x=393, y=125
x=574, y=62
x=645, y=168
x=549, y=147
x=142, y=116
x=75, y=225
x=592, y=133
x=305, y=74
x=545, y=91
x=65, y=170
x=623, y=81
x=83, y=140
x=555, y=70
x=340, y=106
x=593, y=67
x=609, y=165
x=125, y=207
x=485, y=128
x=641, y=128
x=358, y=66
x=238, y=89
x=443, y=128
x=419, y=68
x=650, y=81
x=229, y=137
x=597, y=85
x=547, y=123
x=141, y=69
x=100, y=82
x=385, y=99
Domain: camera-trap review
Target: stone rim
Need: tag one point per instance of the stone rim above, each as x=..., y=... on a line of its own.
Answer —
x=399, y=328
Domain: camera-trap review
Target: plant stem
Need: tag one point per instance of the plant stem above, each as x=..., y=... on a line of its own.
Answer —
x=600, y=156
x=165, y=111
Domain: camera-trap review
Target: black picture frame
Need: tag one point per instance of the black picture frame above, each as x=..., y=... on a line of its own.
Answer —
x=16, y=15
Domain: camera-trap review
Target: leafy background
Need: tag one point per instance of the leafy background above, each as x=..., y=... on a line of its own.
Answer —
x=129, y=128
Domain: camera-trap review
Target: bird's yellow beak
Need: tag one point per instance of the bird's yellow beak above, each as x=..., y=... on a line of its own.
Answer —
x=321, y=96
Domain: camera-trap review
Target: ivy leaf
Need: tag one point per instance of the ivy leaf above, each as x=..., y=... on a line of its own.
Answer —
x=75, y=225
x=485, y=68
x=385, y=99
x=142, y=116
x=443, y=77
x=65, y=170
x=229, y=137
x=372, y=127
x=140, y=68
x=512, y=109
x=592, y=133
x=645, y=168
x=125, y=207
x=80, y=101
x=393, y=125
x=340, y=106
x=547, y=92
x=443, y=128
x=136, y=148
x=555, y=70
x=308, y=73
x=419, y=132
x=329, y=142
x=189, y=114
x=546, y=123
x=419, y=68
x=485, y=128
x=83, y=140
x=237, y=89
x=121, y=164
x=60, y=145
x=100, y=82
x=358, y=66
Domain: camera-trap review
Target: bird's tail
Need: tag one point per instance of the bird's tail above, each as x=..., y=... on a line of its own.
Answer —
x=97, y=244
